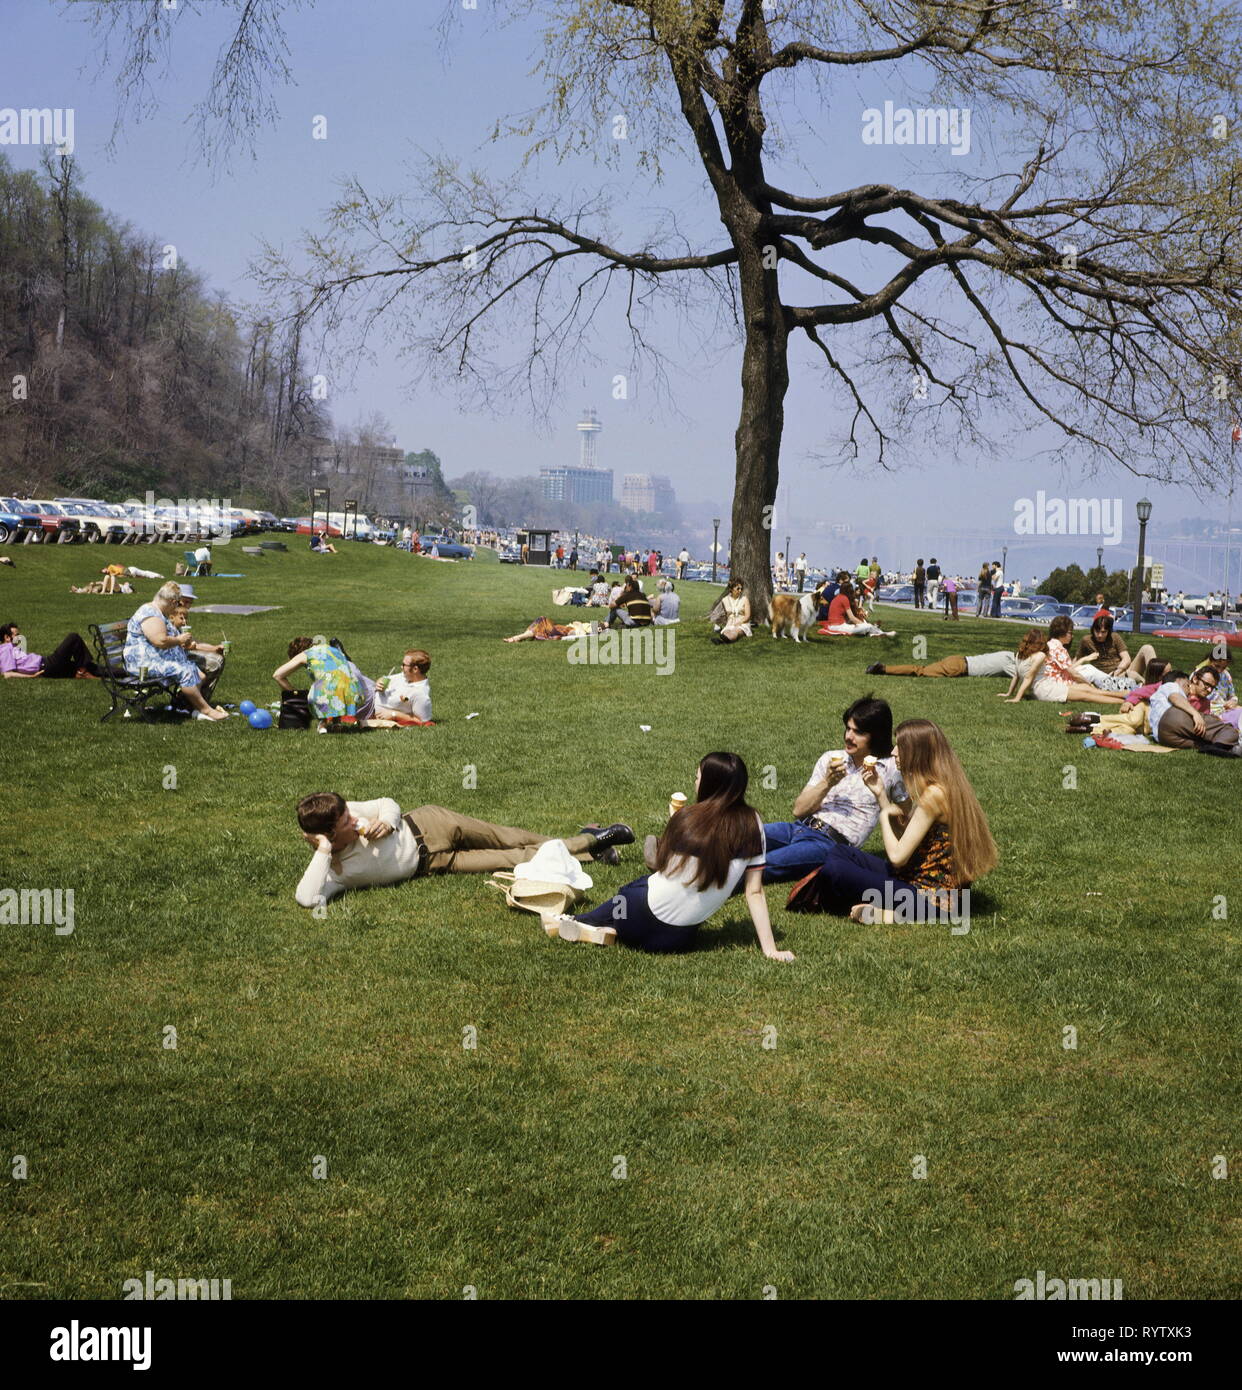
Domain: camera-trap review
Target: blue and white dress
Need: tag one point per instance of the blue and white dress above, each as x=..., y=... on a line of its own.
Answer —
x=172, y=663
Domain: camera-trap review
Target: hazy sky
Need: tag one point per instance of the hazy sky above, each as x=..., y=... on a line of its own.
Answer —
x=389, y=88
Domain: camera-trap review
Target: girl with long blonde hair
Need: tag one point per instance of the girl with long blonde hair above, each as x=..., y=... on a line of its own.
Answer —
x=935, y=846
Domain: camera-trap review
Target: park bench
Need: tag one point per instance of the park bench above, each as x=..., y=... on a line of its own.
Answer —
x=252, y=550
x=274, y=545
x=124, y=688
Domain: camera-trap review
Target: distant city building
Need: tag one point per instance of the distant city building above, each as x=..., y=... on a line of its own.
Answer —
x=643, y=492
x=586, y=483
x=576, y=484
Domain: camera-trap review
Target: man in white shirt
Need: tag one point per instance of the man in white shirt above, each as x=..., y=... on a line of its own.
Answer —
x=1175, y=720
x=800, y=570
x=409, y=694
x=202, y=559
x=359, y=844
x=832, y=808
x=683, y=559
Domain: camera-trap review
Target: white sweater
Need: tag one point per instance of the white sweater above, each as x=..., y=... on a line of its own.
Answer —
x=365, y=863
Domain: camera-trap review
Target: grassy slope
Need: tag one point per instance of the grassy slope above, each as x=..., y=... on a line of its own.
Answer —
x=747, y=1166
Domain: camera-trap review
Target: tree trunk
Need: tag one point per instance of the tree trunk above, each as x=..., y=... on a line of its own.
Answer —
x=765, y=379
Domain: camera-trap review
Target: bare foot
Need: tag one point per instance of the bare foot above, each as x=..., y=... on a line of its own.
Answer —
x=870, y=915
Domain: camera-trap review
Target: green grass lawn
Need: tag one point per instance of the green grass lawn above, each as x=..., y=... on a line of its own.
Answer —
x=746, y=1165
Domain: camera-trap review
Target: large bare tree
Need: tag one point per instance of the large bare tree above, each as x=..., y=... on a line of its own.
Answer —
x=1087, y=282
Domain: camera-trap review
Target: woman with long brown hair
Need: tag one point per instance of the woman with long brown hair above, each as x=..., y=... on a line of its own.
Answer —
x=933, y=849
x=705, y=852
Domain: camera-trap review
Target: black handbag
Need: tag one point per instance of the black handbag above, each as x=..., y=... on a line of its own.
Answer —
x=295, y=710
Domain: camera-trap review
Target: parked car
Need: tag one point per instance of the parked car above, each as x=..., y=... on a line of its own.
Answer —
x=57, y=524
x=1017, y=607
x=1123, y=620
x=304, y=527
x=96, y=522
x=1045, y=612
x=1201, y=624
x=895, y=593
x=17, y=522
x=448, y=549
x=53, y=523
x=1194, y=603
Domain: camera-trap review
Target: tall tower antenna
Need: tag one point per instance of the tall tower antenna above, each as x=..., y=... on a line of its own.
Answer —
x=588, y=427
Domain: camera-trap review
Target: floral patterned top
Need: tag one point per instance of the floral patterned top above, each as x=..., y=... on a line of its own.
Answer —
x=335, y=692
x=1058, y=665
x=930, y=867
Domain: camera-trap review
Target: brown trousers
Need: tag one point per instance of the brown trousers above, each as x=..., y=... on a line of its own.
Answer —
x=1176, y=730
x=461, y=845
x=946, y=666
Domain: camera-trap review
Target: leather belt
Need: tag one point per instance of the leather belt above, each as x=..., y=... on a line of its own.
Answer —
x=818, y=823
x=424, y=855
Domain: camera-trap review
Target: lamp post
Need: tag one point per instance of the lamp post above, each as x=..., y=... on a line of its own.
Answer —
x=1143, y=510
x=788, y=559
x=1099, y=557
x=715, y=546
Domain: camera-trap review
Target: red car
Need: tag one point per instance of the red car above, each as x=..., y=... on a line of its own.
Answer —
x=57, y=524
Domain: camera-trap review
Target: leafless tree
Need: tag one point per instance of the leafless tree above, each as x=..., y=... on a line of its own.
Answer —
x=1090, y=283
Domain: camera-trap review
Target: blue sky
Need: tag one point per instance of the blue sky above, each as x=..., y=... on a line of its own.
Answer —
x=389, y=87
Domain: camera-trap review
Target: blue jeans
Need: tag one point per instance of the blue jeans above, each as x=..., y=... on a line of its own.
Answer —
x=793, y=850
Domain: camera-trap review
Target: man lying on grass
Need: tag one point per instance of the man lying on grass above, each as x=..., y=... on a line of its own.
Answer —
x=359, y=844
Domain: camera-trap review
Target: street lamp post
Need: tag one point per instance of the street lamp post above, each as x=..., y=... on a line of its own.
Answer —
x=1144, y=513
x=1099, y=557
x=715, y=546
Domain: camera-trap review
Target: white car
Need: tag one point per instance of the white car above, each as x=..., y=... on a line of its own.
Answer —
x=98, y=522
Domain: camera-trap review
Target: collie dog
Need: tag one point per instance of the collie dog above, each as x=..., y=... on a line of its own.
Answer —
x=791, y=615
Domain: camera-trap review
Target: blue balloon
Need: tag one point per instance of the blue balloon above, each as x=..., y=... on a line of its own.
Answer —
x=260, y=719
x=247, y=707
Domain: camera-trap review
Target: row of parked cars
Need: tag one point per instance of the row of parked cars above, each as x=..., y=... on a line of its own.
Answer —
x=64, y=520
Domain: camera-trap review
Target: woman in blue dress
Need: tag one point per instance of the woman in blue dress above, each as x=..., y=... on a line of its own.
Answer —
x=156, y=650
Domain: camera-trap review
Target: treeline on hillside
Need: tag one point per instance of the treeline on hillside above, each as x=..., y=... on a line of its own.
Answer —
x=122, y=370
